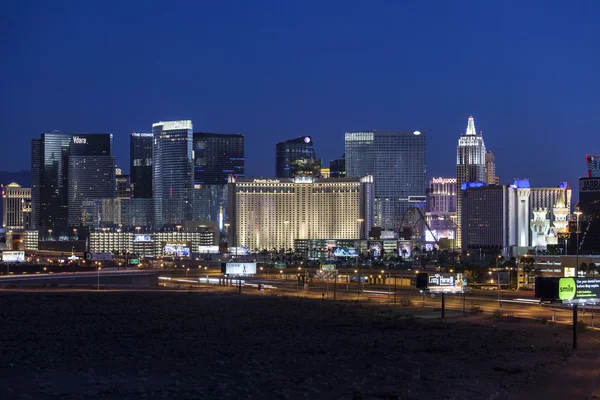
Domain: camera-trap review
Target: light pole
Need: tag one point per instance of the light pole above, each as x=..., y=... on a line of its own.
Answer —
x=99, y=277
x=499, y=289
x=578, y=213
x=186, y=273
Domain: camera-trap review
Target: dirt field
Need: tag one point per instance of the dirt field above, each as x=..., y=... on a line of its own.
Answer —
x=201, y=345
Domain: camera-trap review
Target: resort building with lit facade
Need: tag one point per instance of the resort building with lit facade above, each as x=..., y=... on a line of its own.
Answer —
x=272, y=213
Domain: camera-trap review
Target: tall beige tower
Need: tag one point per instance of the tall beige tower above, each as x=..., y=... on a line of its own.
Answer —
x=490, y=169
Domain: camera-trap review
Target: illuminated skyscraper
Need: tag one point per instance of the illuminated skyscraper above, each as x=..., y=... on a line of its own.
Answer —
x=296, y=157
x=140, y=147
x=172, y=172
x=68, y=169
x=470, y=167
x=216, y=156
x=396, y=159
x=593, y=166
x=490, y=169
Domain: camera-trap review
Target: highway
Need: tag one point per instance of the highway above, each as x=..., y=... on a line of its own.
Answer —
x=517, y=304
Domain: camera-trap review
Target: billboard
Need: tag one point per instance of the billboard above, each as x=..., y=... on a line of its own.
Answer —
x=105, y=256
x=376, y=249
x=208, y=249
x=142, y=238
x=179, y=249
x=441, y=283
x=13, y=256
x=345, y=252
x=234, y=268
x=567, y=289
x=328, y=267
x=239, y=251
x=431, y=236
x=405, y=248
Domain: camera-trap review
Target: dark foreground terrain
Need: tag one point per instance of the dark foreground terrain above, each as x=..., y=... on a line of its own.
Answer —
x=201, y=345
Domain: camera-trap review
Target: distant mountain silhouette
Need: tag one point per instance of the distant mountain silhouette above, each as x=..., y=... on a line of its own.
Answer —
x=23, y=178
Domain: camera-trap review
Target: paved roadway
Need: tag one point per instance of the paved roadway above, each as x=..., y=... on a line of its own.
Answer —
x=518, y=304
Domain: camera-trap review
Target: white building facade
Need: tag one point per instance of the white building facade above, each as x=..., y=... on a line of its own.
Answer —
x=272, y=213
x=16, y=203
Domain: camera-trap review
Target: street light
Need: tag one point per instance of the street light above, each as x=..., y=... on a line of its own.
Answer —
x=186, y=272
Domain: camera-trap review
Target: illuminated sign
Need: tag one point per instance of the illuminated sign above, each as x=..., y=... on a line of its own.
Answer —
x=266, y=181
x=239, y=251
x=105, y=256
x=441, y=283
x=238, y=268
x=142, y=238
x=578, y=288
x=13, y=256
x=208, y=249
x=589, y=185
x=79, y=140
x=416, y=133
x=328, y=267
x=306, y=139
x=137, y=134
x=567, y=289
x=468, y=185
x=443, y=180
x=303, y=179
x=176, y=249
x=376, y=249
x=345, y=252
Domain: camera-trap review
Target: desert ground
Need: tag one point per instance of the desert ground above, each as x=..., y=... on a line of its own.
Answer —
x=113, y=345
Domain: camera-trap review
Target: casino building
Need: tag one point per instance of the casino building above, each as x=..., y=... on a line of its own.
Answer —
x=272, y=213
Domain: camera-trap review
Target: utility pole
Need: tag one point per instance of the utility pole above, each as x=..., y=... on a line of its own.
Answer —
x=334, y=283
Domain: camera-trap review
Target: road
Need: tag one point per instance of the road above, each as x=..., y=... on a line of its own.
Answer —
x=518, y=304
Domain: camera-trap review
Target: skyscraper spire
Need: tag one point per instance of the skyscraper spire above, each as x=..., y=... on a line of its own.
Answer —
x=471, y=127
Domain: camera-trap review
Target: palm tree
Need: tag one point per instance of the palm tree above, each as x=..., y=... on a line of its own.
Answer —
x=593, y=268
x=584, y=268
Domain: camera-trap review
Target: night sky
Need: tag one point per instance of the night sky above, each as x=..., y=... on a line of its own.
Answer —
x=273, y=70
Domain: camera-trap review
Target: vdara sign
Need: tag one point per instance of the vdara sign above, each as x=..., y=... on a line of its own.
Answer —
x=79, y=140
x=266, y=181
x=567, y=289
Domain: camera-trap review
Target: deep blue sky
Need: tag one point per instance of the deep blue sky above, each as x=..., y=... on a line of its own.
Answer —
x=527, y=71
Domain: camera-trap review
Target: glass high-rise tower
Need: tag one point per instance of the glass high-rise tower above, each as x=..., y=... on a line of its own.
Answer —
x=68, y=169
x=470, y=167
x=216, y=156
x=396, y=159
x=296, y=157
x=140, y=147
x=172, y=172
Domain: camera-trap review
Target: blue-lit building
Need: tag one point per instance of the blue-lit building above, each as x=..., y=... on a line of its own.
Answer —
x=68, y=169
x=172, y=172
x=216, y=156
x=397, y=161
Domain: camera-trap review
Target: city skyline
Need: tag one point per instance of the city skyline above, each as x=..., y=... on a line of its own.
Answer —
x=312, y=85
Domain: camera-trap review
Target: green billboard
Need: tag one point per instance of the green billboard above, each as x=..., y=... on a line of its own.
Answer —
x=567, y=289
